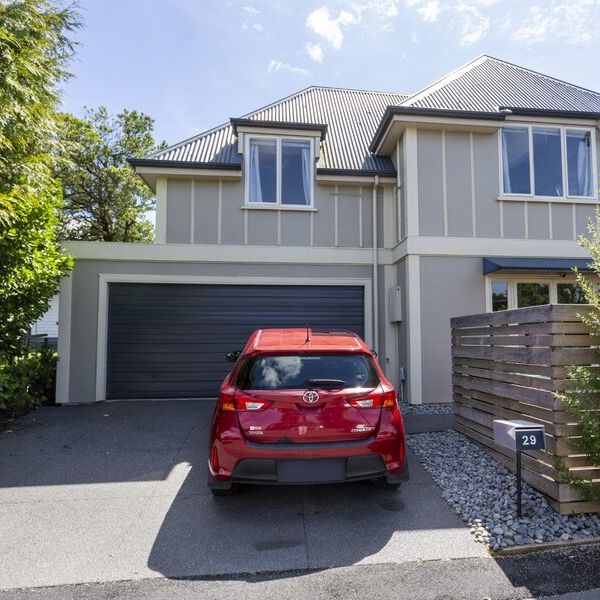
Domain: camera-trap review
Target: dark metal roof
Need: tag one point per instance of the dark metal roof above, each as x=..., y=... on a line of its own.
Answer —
x=493, y=264
x=320, y=127
x=351, y=116
x=486, y=84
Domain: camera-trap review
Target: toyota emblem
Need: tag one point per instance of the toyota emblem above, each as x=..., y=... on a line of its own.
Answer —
x=310, y=397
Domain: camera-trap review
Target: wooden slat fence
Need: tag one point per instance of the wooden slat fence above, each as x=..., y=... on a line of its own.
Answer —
x=507, y=365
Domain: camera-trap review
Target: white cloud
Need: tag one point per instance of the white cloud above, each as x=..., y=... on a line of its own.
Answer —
x=277, y=65
x=254, y=26
x=429, y=11
x=377, y=15
x=250, y=10
x=471, y=24
x=330, y=29
x=315, y=51
x=572, y=22
x=464, y=16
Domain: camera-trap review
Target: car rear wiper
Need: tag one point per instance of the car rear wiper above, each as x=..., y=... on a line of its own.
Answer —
x=333, y=383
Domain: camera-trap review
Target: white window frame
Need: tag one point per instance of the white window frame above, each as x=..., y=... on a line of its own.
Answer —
x=278, y=204
x=566, y=197
x=552, y=279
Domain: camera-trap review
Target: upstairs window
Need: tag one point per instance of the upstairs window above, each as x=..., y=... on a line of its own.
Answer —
x=279, y=172
x=547, y=162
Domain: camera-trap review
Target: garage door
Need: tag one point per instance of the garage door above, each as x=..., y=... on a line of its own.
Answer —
x=169, y=340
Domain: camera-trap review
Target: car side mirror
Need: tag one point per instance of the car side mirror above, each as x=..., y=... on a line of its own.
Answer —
x=233, y=356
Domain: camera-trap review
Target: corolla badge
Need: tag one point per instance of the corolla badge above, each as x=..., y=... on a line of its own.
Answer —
x=310, y=397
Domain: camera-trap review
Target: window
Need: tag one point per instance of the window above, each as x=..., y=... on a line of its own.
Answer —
x=549, y=162
x=514, y=291
x=515, y=158
x=297, y=371
x=499, y=295
x=280, y=171
x=570, y=293
x=579, y=163
x=532, y=294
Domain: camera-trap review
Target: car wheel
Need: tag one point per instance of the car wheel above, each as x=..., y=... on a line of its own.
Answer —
x=218, y=492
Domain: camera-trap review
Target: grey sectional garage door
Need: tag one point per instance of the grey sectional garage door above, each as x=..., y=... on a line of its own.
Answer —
x=168, y=340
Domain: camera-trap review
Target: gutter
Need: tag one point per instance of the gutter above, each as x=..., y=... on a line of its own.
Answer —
x=183, y=164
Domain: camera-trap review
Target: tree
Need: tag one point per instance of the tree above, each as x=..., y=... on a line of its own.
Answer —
x=34, y=51
x=582, y=399
x=104, y=199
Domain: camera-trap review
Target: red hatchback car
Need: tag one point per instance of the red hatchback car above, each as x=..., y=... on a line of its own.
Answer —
x=302, y=407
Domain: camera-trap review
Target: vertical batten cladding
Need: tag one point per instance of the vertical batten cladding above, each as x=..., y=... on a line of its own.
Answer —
x=460, y=187
x=211, y=211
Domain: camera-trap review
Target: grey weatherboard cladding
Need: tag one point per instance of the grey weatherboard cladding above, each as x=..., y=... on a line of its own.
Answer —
x=351, y=116
x=169, y=340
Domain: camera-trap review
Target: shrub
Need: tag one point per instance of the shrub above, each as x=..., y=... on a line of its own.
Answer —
x=582, y=400
x=27, y=380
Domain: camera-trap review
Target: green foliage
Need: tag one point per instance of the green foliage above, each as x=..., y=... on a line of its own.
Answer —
x=26, y=381
x=104, y=199
x=582, y=400
x=34, y=52
x=31, y=263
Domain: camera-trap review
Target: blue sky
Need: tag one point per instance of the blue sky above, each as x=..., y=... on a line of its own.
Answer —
x=192, y=64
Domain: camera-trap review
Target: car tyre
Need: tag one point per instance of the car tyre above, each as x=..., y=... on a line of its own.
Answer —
x=383, y=483
x=219, y=492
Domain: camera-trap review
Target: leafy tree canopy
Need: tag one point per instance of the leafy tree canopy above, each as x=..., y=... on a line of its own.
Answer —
x=104, y=199
x=34, y=52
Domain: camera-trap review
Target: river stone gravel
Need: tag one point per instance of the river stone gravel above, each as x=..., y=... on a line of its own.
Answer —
x=484, y=493
x=426, y=409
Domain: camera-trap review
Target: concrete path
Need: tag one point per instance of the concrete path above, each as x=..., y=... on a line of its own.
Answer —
x=116, y=491
x=572, y=573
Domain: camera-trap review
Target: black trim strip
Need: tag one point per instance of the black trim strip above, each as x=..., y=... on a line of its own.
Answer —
x=357, y=172
x=536, y=112
x=183, y=164
x=390, y=111
x=310, y=445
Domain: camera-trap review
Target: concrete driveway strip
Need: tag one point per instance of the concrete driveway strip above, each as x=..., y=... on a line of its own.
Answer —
x=569, y=572
x=117, y=492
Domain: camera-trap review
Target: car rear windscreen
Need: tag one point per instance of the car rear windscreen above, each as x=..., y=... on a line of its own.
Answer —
x=301, y=371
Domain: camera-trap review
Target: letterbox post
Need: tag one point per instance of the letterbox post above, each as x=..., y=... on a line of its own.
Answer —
x=519, y=435
x=519, y=491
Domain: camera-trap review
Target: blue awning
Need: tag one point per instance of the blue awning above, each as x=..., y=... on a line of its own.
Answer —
x=491, y=264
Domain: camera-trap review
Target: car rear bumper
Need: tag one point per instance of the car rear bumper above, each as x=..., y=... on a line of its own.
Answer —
x=268, y=471
x=234, y=459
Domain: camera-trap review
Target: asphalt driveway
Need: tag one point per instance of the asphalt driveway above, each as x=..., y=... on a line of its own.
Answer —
x=116, y=491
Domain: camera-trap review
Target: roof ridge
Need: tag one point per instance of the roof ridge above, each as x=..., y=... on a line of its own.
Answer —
x=540, y=74
x=262, y=109
x=438, y=83
x=309, y=88
x=453, y=75
x=361, y=90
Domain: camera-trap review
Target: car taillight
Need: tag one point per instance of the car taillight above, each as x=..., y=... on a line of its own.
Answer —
x=226, y=400
x=386, y=400
x=230, y=401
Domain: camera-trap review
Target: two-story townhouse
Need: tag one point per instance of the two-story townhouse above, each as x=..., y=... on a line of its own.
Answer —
x=383, y=213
